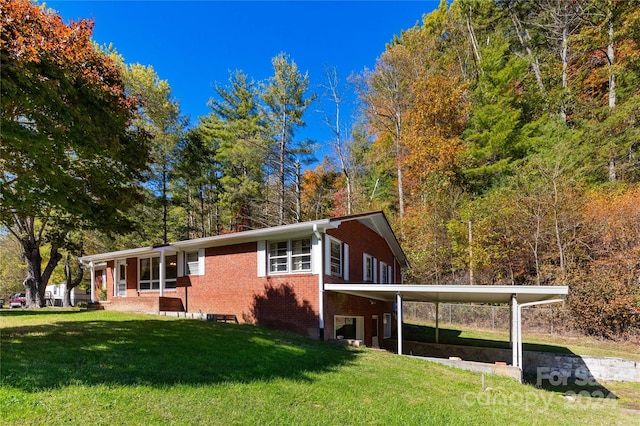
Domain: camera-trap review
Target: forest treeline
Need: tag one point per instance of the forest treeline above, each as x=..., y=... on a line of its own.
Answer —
x=505, y=142
x=501, y=139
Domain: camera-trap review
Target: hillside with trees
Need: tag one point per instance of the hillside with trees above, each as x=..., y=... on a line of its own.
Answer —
x=506, y=135
x=501, y=138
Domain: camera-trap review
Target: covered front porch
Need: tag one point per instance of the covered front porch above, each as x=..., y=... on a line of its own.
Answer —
x=517, y=296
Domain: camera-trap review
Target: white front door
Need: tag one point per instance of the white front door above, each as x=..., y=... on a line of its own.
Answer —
x=121, y=279
x=374, y=332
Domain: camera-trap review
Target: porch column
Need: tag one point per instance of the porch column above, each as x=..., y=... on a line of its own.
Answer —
x=520, y=363
x=515, y=338
x=93, y=281
x=437, y=315
x=162, y=273
x=399, y=309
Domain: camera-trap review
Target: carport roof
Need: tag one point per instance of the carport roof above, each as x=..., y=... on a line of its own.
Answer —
x=452, y=293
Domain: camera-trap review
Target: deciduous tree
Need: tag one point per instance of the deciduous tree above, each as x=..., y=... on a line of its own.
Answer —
x=69, y=157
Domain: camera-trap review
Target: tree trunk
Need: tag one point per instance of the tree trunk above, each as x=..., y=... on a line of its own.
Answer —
x=70, y=282
x=398, y=153
x=556, y=220
x=564, y=56
x=474, y=43
x=611, y=58
x=164, y=205
x=298, y=193
x=36, y=281
x=525, y=38
x=282, y=180
x=34, y=275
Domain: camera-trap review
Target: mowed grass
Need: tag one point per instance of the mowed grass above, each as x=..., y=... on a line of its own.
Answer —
x=70, y=367
x=464, y=335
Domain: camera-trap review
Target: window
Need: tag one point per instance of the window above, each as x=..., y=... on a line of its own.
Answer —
x=384, y=273
x=278, y=258
x=301, y=255
x=191, y=261
x=171, y=271
x=290, y=256
x=348, y=327
x=387, y=326
x=336, y=258
x=369, y=268
x=150, y=272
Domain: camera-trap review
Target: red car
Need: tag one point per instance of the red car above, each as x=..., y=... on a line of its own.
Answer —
x=18, y=300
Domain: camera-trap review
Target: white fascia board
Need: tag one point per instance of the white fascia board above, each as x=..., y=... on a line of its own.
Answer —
x=122, y=254
x=283, y=231
x=451, y=293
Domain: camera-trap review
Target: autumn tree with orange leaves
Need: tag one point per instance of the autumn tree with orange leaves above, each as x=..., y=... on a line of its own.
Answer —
x=69, y=157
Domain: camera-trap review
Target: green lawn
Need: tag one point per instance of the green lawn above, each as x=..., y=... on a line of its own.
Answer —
x=69, y=367
x=464, y=335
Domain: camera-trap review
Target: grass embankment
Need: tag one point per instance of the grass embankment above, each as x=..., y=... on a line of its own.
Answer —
x=113, y=368
x=554, y=343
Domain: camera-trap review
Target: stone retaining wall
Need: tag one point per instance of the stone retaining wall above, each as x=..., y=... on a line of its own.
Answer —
x=557, y=368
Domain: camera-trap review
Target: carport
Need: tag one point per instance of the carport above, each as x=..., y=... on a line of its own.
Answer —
x=517, y=296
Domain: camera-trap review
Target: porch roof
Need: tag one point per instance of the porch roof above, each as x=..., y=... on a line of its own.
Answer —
x=518, y=295
x=374, y=220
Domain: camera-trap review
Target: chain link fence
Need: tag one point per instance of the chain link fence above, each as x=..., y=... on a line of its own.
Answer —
x=534, y=320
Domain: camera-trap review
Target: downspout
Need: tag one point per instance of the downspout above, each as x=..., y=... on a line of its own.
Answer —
x=318, y=235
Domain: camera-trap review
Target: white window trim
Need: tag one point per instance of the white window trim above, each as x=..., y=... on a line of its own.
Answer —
x=328, y=270
x=262, y=258
x=151, y=277
x=359, y=326
x=345, y=261
x=374, y=267
x=384, y=268
x=290, y=257
x=185, y=264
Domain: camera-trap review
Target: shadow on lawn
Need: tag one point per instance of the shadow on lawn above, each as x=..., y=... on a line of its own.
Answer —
x=570, y=375
x=22, y=312
x=423, y=333
x=158, y=352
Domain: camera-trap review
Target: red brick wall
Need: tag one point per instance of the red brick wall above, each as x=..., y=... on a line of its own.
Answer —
x=134, y=304
x=362, y=239
x=344, y=304
x=288, y=302
x=231, y=286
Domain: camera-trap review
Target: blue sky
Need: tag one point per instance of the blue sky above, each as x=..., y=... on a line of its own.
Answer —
x=194, y=44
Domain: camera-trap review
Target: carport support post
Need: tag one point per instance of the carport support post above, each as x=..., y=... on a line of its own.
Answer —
x=437, y=315
x=514, y=331
x=399, y=309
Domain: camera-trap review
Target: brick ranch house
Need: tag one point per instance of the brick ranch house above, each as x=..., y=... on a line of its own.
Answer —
x=273, y=277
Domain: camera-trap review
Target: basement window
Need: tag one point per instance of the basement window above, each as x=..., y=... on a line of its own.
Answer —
x=347, y=327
